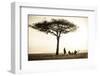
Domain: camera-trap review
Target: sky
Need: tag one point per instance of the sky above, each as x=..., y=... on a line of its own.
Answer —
x=40, y=42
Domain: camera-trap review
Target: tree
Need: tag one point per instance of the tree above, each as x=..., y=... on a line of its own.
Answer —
x=55, y=27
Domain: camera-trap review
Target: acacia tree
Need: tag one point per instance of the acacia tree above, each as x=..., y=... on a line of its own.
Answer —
x=55, y=27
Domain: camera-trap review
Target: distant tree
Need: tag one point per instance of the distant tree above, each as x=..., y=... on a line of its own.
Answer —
x=55, y=27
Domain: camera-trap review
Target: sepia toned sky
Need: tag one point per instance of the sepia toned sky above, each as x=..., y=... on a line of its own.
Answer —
x=40, y=42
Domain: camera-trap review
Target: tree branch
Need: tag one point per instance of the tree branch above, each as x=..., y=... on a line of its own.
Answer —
x=52, y=33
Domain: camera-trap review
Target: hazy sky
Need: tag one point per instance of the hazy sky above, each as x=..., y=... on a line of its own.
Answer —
x=40, y=42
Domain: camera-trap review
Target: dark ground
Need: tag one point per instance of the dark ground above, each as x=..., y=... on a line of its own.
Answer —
x=52, y=56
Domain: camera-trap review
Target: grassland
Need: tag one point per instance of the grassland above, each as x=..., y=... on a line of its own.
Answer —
x=52, y=56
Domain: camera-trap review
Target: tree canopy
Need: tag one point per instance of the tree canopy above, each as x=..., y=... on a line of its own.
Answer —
x=55, y=26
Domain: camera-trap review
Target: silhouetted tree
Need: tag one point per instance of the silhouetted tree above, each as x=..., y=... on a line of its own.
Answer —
x=55, y=27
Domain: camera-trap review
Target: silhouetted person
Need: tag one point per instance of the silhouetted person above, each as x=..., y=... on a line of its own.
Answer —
x=75, y=52
x=69, y=52
x=64, y=51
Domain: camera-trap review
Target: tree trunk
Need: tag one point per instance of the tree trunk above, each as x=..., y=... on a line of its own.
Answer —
x=57, y=49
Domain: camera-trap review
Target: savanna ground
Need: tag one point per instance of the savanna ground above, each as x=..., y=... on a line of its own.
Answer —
x=52, y=56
